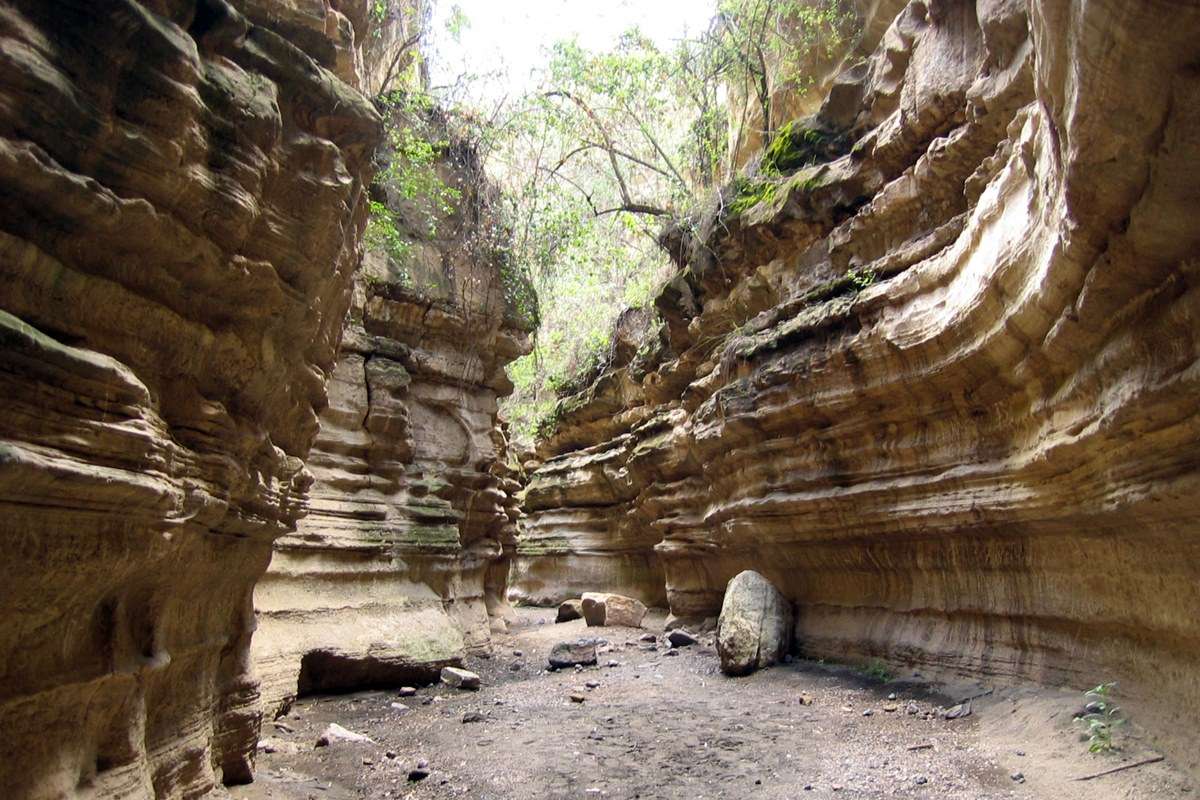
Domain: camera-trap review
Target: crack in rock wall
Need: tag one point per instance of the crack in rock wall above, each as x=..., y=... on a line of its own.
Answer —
x=184, y=192
x=941, y=389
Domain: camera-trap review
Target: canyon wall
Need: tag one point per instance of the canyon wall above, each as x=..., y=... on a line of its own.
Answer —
x=403, y=555
x=933, y=371
x=184, y=193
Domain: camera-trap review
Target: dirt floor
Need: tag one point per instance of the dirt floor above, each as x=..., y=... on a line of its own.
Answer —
x=666, y=723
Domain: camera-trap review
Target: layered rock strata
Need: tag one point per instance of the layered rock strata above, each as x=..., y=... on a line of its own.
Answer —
x=183, y=195
x=938, y=382
x=400, y=566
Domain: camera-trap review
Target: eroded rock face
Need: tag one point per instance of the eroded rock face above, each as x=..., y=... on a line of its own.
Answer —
x=182, y=193
x=942, y=389
x=400, y=566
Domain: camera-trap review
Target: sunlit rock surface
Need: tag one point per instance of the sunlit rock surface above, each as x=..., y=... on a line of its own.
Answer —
x=941, y=390
x=181, y=200
x=400, y=566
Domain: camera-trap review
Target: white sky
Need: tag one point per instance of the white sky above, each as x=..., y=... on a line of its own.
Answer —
x=513, y=35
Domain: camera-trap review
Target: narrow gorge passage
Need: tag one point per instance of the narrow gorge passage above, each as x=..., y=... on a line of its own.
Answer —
x=838, y=361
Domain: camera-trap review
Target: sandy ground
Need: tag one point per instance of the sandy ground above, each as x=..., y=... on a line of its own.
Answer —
x=671, y=726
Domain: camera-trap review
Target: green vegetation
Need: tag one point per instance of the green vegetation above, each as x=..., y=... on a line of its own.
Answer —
x=1101, y=717
x=605, y=149
x=878, y=670
x=792, y=148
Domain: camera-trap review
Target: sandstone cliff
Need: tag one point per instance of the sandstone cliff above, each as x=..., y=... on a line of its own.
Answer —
x=933, y=371
x=402, y=556
x=183, y=195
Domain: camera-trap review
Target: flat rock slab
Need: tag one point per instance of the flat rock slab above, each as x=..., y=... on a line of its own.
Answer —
x=460, y=678
x=576, y=651
x=754, y=629
x=605, y=609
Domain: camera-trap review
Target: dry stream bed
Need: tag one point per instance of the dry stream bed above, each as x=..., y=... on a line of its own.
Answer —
x=667, y=724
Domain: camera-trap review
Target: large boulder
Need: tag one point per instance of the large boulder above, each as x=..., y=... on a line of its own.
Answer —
x=602, y=608
x=569, y=610
x=755, y=625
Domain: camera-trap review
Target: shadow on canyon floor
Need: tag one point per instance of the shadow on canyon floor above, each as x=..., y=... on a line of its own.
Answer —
x=671, y=726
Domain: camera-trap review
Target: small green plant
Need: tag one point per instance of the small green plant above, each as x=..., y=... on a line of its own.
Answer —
x=749, y=192
x=861, y=278
x=878, y=670
x=1101, y=716
x=792, y=148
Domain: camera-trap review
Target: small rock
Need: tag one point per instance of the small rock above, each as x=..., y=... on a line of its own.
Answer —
x=869, y=712
x=418, y=774
x=472, y=716
x=407, y=691
x=425, y=701
x=671, y=653
x=390, y=754
x=399, y=708
x=422, y=764
x=336, y=733
x=920, y=780
x=283, y=726
x=890, y=709
x=592, y=684
x=1020, y=753
x=808, y=787
x=1018, y=777
x=648, y=637
x=892, y=696
x=518, y=653
x=912, y=709
x=805, y=700
x=958, y=712
x=367, y=762
x=578, y=698
x=460, y=678
x=516, y=666
x=613, y=663
x=681, y=638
